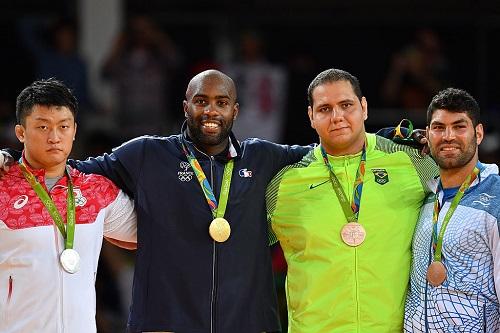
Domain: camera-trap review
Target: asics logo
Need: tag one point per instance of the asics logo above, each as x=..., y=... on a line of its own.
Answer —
x=21, y=202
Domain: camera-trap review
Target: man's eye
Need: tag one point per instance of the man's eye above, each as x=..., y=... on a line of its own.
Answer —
x=199, y=102
x=346, y=105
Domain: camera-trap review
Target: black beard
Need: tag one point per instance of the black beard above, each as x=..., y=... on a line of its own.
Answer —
x=202, y=140
x=460, y=161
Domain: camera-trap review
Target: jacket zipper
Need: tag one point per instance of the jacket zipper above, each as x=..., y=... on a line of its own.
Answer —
x=484, y=318
x=427, y=290
x=214, y=262
x=10, y=288
x=9, y=293
x=213, y=292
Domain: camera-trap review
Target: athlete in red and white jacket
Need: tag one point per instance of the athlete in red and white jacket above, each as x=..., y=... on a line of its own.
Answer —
x=36, y=294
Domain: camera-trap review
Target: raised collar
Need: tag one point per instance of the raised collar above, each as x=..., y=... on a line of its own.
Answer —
x=40, y=173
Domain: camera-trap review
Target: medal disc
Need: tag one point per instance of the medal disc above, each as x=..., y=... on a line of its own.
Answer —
x=70, y=261
x=436, y=273
x=219, y=229
x=353, y=234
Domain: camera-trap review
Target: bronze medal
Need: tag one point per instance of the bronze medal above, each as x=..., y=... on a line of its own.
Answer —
x=70, y=261
x=436, y=273
x=353, y=234
x=219, y=229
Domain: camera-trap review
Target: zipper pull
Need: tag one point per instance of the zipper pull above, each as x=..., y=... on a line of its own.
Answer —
x=9, y=293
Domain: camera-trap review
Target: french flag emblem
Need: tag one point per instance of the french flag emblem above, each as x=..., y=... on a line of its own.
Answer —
x=245, y=173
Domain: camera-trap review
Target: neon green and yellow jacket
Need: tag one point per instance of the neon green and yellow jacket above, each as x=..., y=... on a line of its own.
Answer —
x=332, y=287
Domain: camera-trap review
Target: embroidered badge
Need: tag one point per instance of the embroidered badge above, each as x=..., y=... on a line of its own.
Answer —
x=245, y=173
x=80, y=200
x=184, y=175
x=381, y=176
x=484, y=199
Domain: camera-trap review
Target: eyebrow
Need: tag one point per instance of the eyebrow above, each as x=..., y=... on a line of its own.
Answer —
x=216, y=97
x=45, y=119
x=436, y=122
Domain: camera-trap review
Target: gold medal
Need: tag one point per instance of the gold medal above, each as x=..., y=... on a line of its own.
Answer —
x=436, y=273
x=219, y=229
x=353, y=234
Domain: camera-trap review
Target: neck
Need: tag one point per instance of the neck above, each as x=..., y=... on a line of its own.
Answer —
x=455, y=177
x=55, y=172
x=211, y=150
x=50, y=171
x=351, y=149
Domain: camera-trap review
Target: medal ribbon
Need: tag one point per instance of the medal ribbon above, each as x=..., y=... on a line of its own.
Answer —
x=351, y=210
x=438, y=239
x=218, y=209
x=68, y=233
x=399, y=134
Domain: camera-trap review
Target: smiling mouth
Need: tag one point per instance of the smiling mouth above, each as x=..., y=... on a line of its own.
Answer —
x=210, y=124
x=449, y=149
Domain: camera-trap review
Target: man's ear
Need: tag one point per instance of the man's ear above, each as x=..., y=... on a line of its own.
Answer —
x=185, y=107
x=364, y=106
x=20, y=131
x=236, y=110
x=310, y=114
x=479, y=133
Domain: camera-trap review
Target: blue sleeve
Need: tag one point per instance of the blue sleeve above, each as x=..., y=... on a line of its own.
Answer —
x=122, y=166
x=283, y=155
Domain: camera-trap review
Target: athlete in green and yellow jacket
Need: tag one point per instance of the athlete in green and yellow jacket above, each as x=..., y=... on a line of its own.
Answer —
x=331, y=286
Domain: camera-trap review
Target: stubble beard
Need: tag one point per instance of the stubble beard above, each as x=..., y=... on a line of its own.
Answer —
x=461, y=160
x=203, y=140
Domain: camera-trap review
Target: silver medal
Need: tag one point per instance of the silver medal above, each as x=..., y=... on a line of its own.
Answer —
x=70, y=261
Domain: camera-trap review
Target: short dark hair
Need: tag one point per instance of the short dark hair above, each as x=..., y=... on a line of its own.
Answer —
x=455, y=100
x=333, y=75
x=50, y=92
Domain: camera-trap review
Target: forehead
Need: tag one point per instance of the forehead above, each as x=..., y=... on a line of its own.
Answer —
x=212, y=86
x=334, y=91
x=50, y=113
x=447, y=117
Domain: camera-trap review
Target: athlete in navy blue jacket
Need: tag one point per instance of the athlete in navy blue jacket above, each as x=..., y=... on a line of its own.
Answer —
x=185, y=281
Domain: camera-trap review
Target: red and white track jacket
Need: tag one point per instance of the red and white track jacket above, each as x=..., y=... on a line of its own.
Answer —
x=36, y=294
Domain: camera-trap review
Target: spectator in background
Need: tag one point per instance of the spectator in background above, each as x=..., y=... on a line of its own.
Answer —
x=262, y=88
x=141, y=65
x=54, y=46
x=416, y=73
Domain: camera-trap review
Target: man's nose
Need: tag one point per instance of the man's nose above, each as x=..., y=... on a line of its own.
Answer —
x=210, y=108
x=336, y=113
x=449, y=133
x=54, y=136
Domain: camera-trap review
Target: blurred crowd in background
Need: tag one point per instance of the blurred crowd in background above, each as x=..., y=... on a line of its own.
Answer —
x=134, y=81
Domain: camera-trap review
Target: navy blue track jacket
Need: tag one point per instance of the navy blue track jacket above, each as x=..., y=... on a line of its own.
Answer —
x=184, y=281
